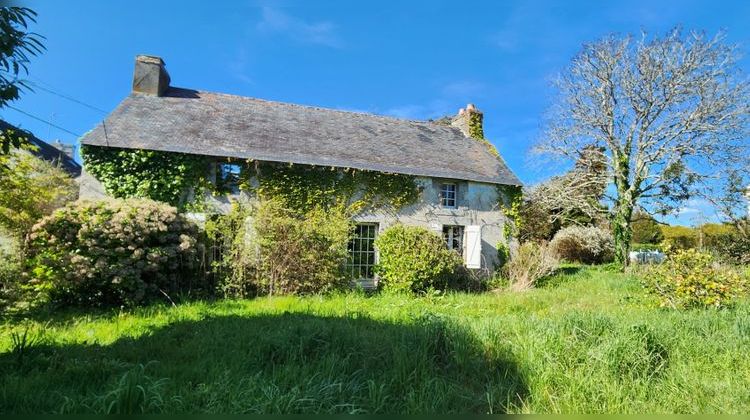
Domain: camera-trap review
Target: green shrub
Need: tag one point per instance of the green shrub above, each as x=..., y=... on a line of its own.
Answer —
x=232, y=255
x=679, y=237
x=503, y=255
x=300, y=254
x=31, y=188
x=413, y=259
x=734, y=249
x=10, y=273
x=646, y=247
x=690, y=278
x=589, y=245
x=533, y=261
x=113, y=252
x=646, y=230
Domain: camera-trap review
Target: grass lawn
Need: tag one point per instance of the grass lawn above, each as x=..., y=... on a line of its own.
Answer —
x=588, y=342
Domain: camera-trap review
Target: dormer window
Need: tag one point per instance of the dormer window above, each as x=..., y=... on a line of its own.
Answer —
x=448, y=195
x=228, y=177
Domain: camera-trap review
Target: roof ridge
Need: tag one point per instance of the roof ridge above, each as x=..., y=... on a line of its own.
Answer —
x=317, y=107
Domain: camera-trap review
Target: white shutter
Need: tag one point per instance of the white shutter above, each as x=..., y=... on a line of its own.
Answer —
x=473, y=246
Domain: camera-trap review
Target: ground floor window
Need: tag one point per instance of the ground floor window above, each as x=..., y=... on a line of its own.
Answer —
x=362, y=251
x=454, y=238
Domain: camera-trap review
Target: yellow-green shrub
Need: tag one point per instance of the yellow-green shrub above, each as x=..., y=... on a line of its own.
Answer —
x=300, y=253
x=690, y=278
x=413, y=259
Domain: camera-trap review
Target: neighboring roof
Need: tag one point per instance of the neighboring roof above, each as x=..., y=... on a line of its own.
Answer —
x=46, y=151
x=214, y=124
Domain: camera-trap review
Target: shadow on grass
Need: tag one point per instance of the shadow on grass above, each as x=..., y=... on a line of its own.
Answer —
x=561, y=276
x=289, y=363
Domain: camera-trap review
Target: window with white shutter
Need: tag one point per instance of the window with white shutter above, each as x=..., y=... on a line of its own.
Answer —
x=473, y=246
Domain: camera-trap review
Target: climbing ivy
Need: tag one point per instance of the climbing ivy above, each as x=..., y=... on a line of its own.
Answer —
x=510, y=198
x=303, y=187
x=166, y=176
x=162, y=176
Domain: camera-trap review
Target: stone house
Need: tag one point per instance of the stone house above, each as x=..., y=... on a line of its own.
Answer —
x=457, y=175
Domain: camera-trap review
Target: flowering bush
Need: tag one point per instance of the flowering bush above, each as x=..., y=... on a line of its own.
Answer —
x=691, y=278
x=414, y=259
x=113, y=252
x=590, y=245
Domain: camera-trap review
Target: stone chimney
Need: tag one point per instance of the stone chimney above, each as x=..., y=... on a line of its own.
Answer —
x=469, y=121
x=68, y=149
x=150, y=76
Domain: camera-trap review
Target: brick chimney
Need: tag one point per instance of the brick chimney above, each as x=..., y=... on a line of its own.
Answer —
x=469, y=121
x=150, y=76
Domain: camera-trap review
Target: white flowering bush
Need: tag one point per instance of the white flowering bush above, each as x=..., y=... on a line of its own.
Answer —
x=113, y=252
x=589, y=245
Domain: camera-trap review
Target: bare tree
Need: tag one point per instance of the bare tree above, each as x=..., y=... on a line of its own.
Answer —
x=574, y=198
x=667, y=112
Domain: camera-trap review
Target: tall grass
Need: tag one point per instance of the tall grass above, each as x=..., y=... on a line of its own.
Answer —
x=588, y=341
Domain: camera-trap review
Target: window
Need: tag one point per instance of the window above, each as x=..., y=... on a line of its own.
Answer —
x=362, y=251
x=228, y=177
x=448, y=195
x=454, y=238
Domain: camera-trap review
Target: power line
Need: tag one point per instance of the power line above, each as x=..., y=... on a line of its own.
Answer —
x=67, y=97
x=42, y=120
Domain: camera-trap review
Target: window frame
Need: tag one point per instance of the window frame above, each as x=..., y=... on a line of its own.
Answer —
x=446, y=196
x=362, y=255
x=222, y=181
x=452, y=234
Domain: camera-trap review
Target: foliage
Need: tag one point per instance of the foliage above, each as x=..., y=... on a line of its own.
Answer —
x=503, y=255
x=31, y=188
x=300, y=255
x=17, y=46
x=511, y=200
x=232, y=254
x=691, y=279
x=304, y=187
x=413, y=259
x=589, y=245
x=537, y=224
x=668, y=112
x=533, y=261
x=113, y=252
x=10, y=273
x=137, y=173
x=734, y=249
x=646, y=230
x=679, y=237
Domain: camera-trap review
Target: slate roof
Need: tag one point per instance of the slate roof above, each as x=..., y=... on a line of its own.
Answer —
x=46, y=151
x=215, y=124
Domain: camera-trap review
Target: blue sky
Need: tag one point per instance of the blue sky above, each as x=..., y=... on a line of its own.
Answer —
x=416, y=59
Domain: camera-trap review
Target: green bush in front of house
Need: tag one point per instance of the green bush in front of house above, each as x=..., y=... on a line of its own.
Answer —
x=690, y=279
x=413, y=259
x=300, y=254
x=113, y=252
x=265, y=248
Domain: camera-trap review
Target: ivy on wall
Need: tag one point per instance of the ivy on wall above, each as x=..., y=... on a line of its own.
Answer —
x=161, y=176
x=303, y=187
x=510, y=199
x=168, y=177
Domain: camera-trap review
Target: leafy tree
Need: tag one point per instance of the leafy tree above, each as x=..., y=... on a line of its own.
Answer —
x=17, y=46
x=667, y=111
x=646, y=230
x=31, y=188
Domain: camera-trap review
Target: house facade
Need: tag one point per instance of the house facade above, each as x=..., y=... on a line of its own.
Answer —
x=457, y=175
